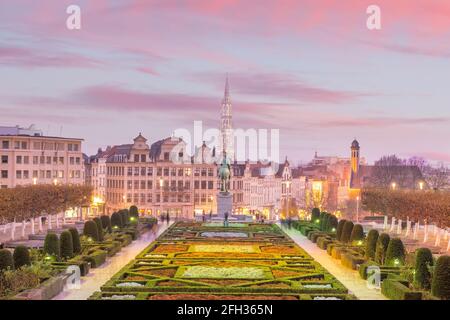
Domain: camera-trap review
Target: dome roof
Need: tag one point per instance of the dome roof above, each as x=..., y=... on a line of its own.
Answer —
x=355, y=144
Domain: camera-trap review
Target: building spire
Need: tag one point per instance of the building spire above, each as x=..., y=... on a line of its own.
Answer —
x=226, y=127
x=227, y=88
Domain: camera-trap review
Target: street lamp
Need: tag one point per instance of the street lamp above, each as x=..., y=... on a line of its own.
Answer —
x=421, y=185
x=393, y=185
x=55, y=182
x=34, y=181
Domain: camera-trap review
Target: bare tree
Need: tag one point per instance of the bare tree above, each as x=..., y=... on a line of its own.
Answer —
x=392, y=169
x=438, y=177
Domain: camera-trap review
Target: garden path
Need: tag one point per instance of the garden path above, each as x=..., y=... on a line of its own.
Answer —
x=349, y=278
x=99, y=276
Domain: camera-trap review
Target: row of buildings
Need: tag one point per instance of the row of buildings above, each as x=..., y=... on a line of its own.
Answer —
x=146, y=175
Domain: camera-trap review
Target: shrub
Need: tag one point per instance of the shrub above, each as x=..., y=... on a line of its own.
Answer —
x=98, y=222
x=357, y=233
x=347, y=231
x=422, y=276
x=395, y=253
x=315, y=214
x=91, y=230
x=6, y=260
x=440, y=286
x=396, y=290
x=125, y=217
x=134, y=212
x=66, y=243
x=75, y=240
x=106, y=223
x=371, y=244
x=116, y=220
x=382, y=244
x=339, y=229
x=21, y=257
x=332, y=223
x=324, y=222
x=51, y=245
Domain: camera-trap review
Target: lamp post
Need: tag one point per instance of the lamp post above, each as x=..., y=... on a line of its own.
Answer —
x=421, y=185
x=34, y=181
x=393, y=185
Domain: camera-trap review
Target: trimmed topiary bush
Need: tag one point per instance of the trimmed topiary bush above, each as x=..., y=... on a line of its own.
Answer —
x=339, y=229
x=325, y=221
x=371, y=244
x=98, y=222
x=6, y=260
x=75, y=240
x=382, y=245
x=116, y=220
x=91, y=230
x=422, y=276
x=134, y=212
x=332, y=223
x=315, y=214
x=66, y=243
x=357, y=233
x=106, y=223
x=347, y=232
x=51, y=245
x=440, y=286
x=395, y=253
x=125, y=217
x=21, y=257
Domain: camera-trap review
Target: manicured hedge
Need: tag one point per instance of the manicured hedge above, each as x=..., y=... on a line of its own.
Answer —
x=98, y=222
x=395, y=290
x=339, y=229
x=125, y=217
x=6, y=260
x=75, y=240
x=91, y=230
x=382, y=245
x=116, y=220
x=51, y=245
x=332, y=223
x=357, y=233
x=371, y=244
x=134, y=212
x=440, y=286
x=95, y=257
x=315, y=214
x=66, y=243
x=422, y=276
x=395, y=253
x=347, y=232
x=21, y=257
x=106, y=223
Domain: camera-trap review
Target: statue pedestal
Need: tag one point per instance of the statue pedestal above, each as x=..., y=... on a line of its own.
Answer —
x=224, y=204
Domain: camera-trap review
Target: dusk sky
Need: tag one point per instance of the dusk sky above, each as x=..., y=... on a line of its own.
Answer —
x=309, y=68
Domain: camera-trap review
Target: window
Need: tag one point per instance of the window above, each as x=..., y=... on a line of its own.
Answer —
x=77, y=174
x=49, y=160
x=180, y=172
x=143, y=158
x=55, y=160
x=203, y=185
x=143, y=183
x=23, y=145
x=136, y=184
x=72, y=160
x=149, y=184
x=4, y=174
x=149, y=198
x=142, y=198
x=4, y=159
x=129, y=171
x=136, y=158
x=166, y=156
x=35, y=159
x=159, y=172
x=35, y=174
x=19, y=159
x=197, y=172
x=196, y=184
x=61, y=160
x=5, y=144
x=210, y=185
x=143, y=171
x=136, y=171
x=203, y=172
x=166, y=172
x=18, y=174
x=78, y=160
x=61, y=174
x=150, y=171
x=210, y=172
x=42, y=160
x=129, y=184
x=37, y=146
x=26, y=174
x=16, y=144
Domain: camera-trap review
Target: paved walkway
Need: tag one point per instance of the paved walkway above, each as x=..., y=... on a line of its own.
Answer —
x=99, y=276
x=349, y=278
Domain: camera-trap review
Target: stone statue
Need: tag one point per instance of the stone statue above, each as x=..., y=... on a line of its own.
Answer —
x=224, y=174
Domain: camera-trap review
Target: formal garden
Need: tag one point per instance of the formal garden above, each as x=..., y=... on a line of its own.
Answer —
x=40, y=274
x=403, y=274
x=207, y=261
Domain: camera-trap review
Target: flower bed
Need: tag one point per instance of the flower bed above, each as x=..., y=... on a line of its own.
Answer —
x=270, y=267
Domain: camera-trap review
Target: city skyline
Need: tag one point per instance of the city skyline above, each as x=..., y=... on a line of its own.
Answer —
x=310, y=69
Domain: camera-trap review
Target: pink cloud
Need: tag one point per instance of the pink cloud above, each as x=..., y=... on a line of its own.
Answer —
x=26, y=57
x=382, y=122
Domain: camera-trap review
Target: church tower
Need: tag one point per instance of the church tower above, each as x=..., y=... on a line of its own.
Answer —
x=355, y=157
x=226, y=126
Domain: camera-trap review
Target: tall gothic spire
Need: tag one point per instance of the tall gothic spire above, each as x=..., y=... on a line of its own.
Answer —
x=226, y=127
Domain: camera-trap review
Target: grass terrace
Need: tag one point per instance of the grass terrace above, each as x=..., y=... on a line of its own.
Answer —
x=183, y=263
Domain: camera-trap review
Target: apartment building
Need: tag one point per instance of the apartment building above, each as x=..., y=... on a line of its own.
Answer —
x=29, y=157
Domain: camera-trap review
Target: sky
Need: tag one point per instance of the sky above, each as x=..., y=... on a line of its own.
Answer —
x=310, y=68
